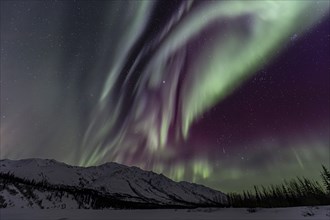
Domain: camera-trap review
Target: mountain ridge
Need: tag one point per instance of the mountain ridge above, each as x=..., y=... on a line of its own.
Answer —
x=112, y=182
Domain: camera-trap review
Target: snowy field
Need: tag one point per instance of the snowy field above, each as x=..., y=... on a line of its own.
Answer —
x=297, y=213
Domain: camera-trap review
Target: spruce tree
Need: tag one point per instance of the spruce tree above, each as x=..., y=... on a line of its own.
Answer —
x=325, y=174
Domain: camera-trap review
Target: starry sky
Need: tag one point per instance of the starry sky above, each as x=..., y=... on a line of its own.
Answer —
x=223, y=93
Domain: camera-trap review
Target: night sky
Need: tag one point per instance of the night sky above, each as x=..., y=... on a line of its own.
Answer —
x=224, y=93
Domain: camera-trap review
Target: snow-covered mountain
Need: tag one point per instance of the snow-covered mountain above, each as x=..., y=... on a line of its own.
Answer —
x=51, y=184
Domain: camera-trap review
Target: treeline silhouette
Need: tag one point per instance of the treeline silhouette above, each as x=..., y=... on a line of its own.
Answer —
x=295, y=192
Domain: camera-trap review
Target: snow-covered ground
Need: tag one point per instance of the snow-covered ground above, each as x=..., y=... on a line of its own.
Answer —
x=296, y=213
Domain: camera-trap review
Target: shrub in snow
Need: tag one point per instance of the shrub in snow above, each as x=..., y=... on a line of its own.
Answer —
x=310, y=211
x=252, y=210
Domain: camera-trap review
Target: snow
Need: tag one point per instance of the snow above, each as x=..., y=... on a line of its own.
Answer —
x=295, y=213
x=115, y=179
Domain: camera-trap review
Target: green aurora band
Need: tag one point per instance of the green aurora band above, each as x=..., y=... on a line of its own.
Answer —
x=229, y=57
x=154, y=93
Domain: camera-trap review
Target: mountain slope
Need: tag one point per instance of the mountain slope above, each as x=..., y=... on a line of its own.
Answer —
x=107, y=185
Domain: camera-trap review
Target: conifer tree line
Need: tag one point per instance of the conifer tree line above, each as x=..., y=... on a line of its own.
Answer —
x=296, y=192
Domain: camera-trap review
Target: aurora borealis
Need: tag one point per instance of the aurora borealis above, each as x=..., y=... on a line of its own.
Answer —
x=215, y=92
